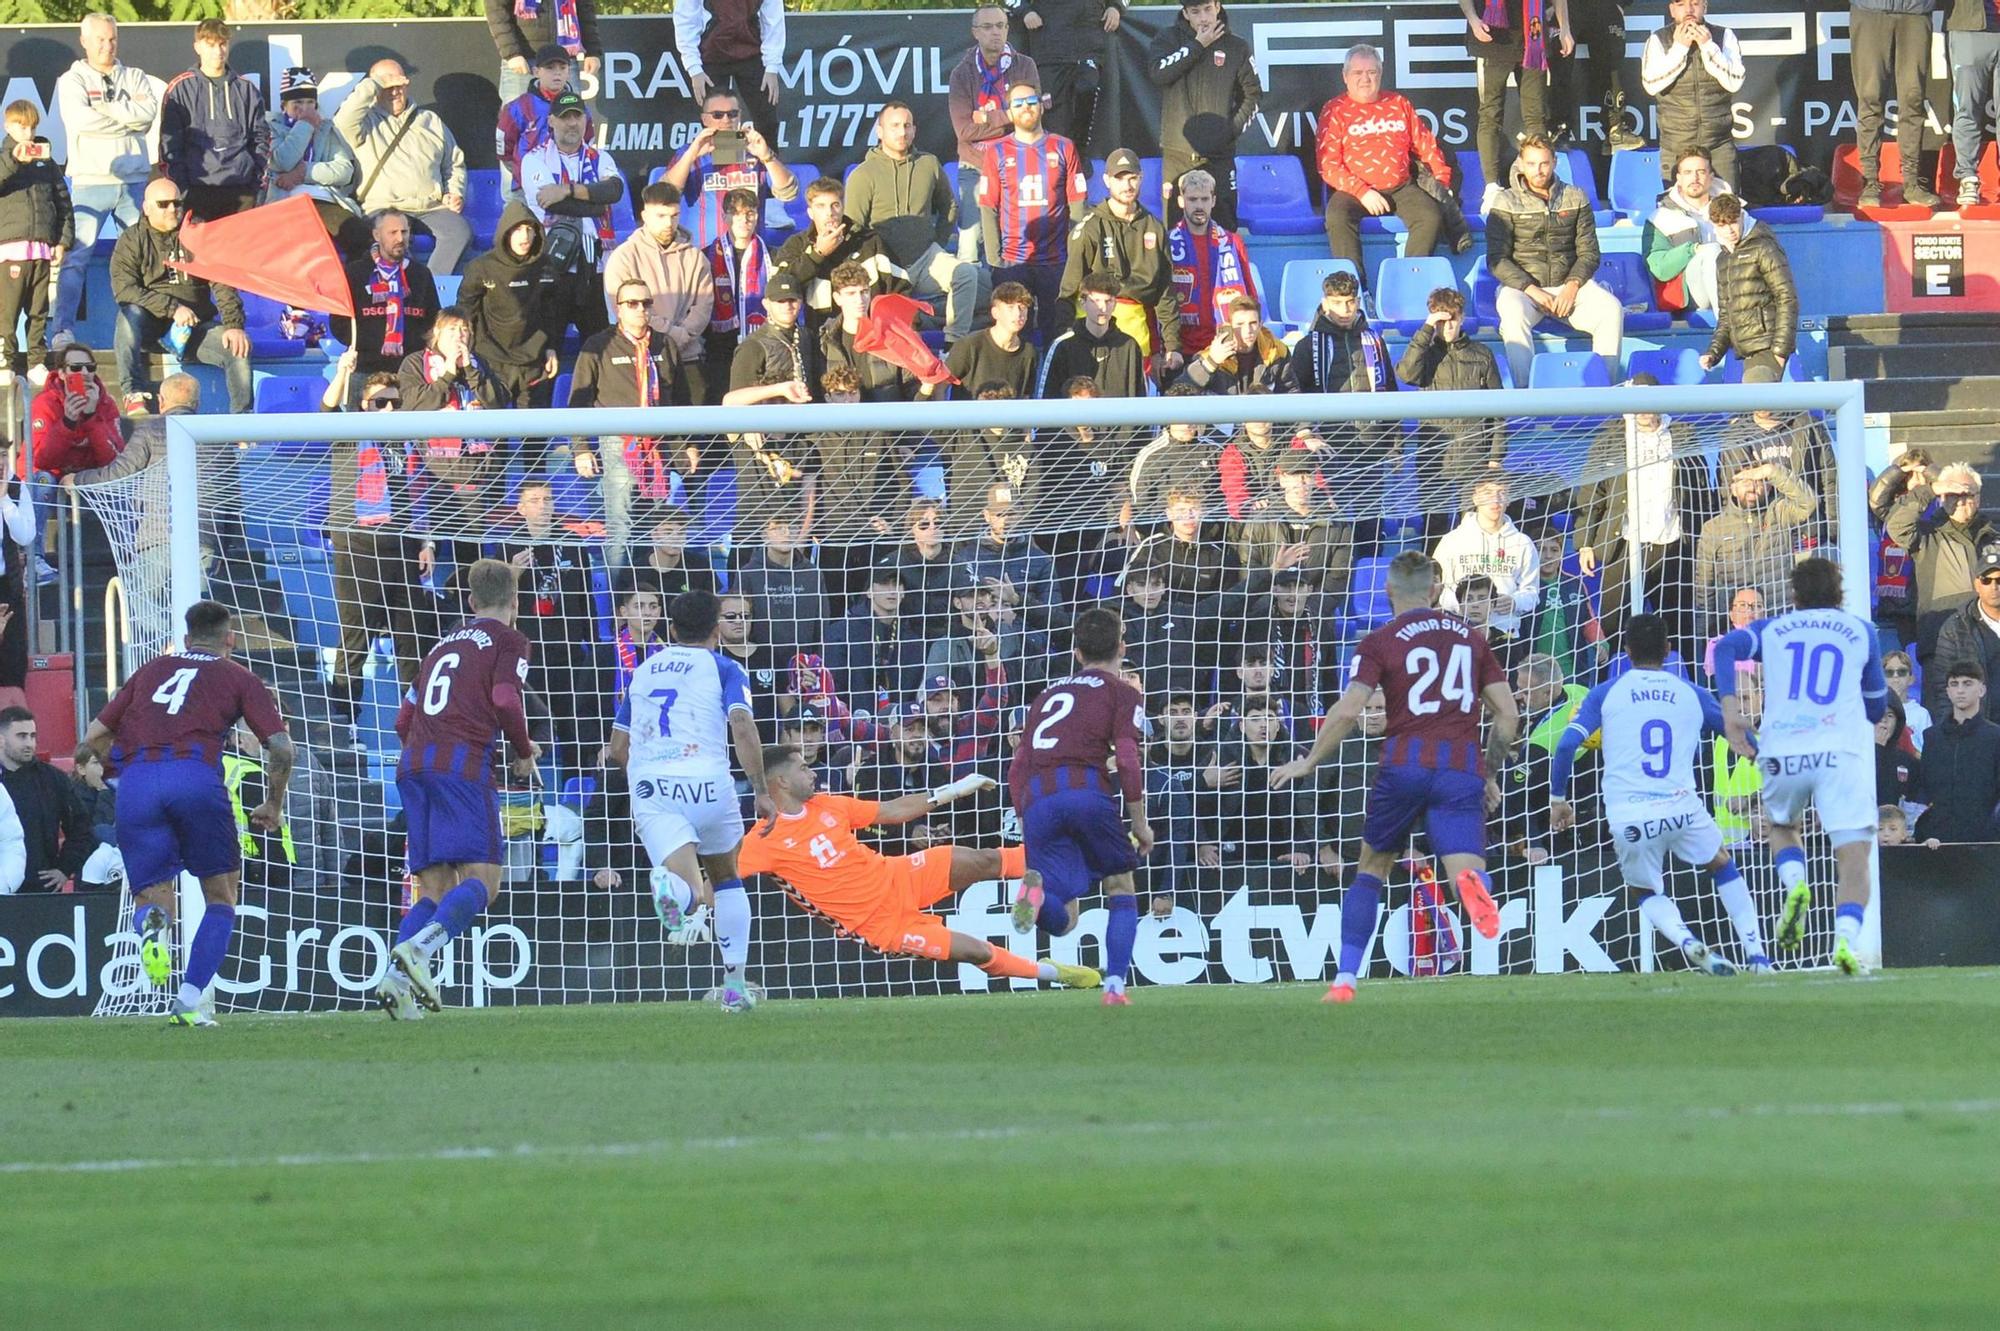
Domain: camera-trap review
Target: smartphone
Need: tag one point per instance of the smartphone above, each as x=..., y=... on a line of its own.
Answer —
x=77, y=382
x=727, y=149
x=35, y=151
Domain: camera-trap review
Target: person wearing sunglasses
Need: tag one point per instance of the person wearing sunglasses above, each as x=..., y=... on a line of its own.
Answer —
x=1028, y=184
x=629, y=365
x=72, y=421
x=1970, y=633
x=707, y=171
x=739, y=46
x=1934, y=515
x=160, y=305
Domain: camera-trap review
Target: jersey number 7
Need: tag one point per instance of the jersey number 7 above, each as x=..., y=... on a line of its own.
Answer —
x=666, y=697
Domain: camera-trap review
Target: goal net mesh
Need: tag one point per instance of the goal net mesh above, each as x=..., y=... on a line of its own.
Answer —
x=898, y=596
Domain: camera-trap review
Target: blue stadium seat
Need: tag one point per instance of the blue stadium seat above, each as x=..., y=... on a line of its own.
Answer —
x=1635, y=182
x=1568, y=369
x=1573, y=165
x=1367, y=597
x=1782, y=214
x=294, y=393
x=307, y=585
x=796, y=208
x=1623, y=273
x=1299, y=292
x=559, y=391
x=1403, y=288
x=484, y=202
x=1670, y=365
x=1273, y=197
x=447, y=285
x=951, y=176
x=1471, y=186
x=1482, y=289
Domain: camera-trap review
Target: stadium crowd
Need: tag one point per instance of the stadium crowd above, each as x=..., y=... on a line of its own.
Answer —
x=894, y=634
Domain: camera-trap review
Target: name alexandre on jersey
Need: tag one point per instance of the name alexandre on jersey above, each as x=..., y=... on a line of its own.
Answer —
x=1431, y=624
x=1828, y=621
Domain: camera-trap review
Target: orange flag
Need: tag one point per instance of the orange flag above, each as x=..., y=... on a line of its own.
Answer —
x=889, y=330
x=280, y=251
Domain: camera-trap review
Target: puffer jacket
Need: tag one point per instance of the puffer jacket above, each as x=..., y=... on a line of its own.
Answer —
x=1269, y=367
x=909, y=203
x=34, y=201
x=1448, y=366
x=1756, y=297
x=1532, y=241
x=511, y=300
x=1207, y=93
x=140, y=276
x=214, y=131
x=1965, y=635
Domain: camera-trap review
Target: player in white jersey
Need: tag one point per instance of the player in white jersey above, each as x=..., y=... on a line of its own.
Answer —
x=1823, y=693
x=686, y=704
x=1651, y=721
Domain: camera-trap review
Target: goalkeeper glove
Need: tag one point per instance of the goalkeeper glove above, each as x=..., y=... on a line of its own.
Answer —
x=965, y=785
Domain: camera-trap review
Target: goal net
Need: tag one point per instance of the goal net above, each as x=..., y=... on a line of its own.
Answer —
x=899, y=581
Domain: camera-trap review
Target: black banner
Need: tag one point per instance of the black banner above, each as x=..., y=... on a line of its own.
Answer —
x=1940, y=907
x=842, y=67
x=55, y=953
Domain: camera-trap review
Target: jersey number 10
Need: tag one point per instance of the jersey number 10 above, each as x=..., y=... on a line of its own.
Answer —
x=1453, y=681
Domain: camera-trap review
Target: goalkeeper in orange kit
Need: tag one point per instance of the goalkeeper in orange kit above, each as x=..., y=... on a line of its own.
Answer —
x=810, y=845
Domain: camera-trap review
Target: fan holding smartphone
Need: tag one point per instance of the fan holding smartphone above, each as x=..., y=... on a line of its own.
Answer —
x=36, y=230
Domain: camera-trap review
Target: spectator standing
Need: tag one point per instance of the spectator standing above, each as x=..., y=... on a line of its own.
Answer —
x=1960, y=769
x=1180, y=459
x=1898, y=778
x=902, y=195
x=1366, y=141
x=661, y=258
x=108, y=113
x=1900, y=672
x=999, y=355
x=409, y=161
x=1236, y=809
x=158, y=302
x=1011, y=563
x=520, y=26
x=977, y=100
x=1935, y=517
x=1441, y=355
x=1028, y=183
x=100, y=801
x=830, y=239
x=1969, y=633
x=1972, y=40
x=1746, y=607
x=524, y=119
x=777, y=346
x=1890, y=42
x=738, y=268
x=395, y=300
x=1757, y=299
x=875, y=651
x=1752, y=542
x=1541, y=246
x=1510, y=39
x=627, y=365
x=382, y=553
x=54, y=821
x=571, y=187
x=1693, y=72
x=734, y=45
x=37, y=230
x=1067, y=40
x=1095, y=346
x=1159, y=630
x=1679, y=242
x=1486, y=543
x=512, y=301
x=1195, y=566
x=1209, y=92
x=447, y=376
x=1210, y=264
x=925, y=562
x=1599, y=25
x=215, y=140
x=555, y=607
x=309, y=157
x=1301, y=530
x=1121, y=238
x=706, y=176
x=1244, y=356
x=667, y=562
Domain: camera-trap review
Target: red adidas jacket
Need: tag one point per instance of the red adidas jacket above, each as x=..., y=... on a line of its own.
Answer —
x=1364, y=146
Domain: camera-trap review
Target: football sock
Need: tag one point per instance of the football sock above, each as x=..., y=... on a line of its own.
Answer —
x=1015, y=967
x=1846, y=921
x=205, y=953
x=1661, y=912
x=454, y=916
x=1791, y=867
x=1735, y=894
x=1013, y=861
x=139, y=918
x=676, y=887
x=1119, y=933
x=732, y=926
x=1357, y=920
x=1053, y=917
x=420, y=913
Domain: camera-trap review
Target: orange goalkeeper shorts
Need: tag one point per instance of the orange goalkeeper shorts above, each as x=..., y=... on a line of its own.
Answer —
x=900, y=924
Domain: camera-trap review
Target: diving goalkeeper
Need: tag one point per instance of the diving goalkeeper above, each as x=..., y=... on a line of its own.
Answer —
x=810, y=845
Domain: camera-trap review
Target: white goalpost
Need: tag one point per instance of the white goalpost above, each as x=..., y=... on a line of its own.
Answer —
x=907, y=574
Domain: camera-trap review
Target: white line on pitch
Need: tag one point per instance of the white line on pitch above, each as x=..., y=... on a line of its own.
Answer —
x=528, y=1151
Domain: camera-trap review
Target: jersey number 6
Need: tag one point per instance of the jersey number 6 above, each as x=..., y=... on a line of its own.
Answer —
x=437, y=690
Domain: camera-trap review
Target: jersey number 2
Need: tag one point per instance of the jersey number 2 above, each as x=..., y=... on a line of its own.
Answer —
x=173, y=693
x=1422, y=663
x=1060, y=706
x=437, y=690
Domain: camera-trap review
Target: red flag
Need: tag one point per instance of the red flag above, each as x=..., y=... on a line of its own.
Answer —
x=280, y=251
x=889, y=330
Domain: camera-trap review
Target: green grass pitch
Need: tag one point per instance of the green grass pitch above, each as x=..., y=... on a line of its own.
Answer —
x=1560, y=1151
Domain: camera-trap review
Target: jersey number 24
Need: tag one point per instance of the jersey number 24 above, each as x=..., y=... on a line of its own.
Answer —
x=1453, y=680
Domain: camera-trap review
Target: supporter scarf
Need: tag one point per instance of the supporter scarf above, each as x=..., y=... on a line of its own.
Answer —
x=389, y=287
x=642, y=456
x=311, y=143
x=992, y=78
x=629, y=656
x=1374, y=358
x=586, y=172
x=569, y=35
x=463, y=398
x=1207, y=288
x=739, y=294
x=1534, y=51
x=372, y=507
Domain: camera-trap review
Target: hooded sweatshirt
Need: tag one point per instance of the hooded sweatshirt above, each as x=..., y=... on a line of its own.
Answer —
x=681, y=281
x=108, y=118
x=511, y=300
x=1507, y=557
x=213, y=131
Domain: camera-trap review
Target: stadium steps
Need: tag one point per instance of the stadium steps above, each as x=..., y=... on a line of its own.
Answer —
x=1920, y=364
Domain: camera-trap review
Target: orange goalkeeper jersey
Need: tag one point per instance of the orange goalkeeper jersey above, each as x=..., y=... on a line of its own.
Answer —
x=815, y=850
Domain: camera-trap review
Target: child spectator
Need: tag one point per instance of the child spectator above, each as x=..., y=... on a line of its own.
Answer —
x=37, y=229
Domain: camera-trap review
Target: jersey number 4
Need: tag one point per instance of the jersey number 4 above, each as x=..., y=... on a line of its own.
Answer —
x=173, y=692
x=1454, y=690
